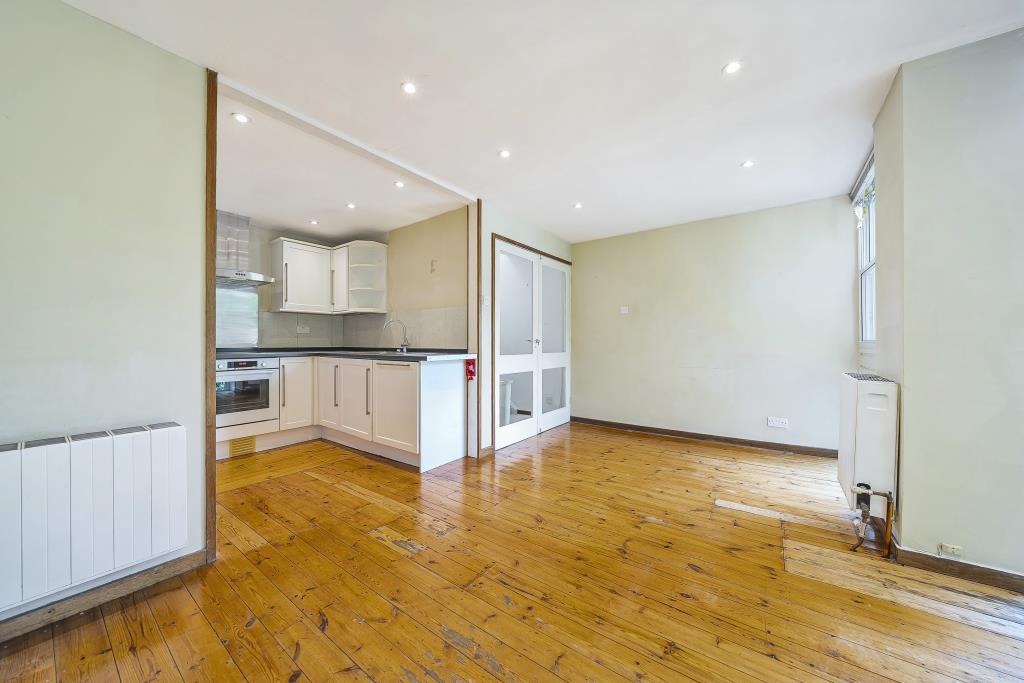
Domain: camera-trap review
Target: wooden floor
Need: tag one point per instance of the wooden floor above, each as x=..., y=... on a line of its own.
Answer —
x=583, y=554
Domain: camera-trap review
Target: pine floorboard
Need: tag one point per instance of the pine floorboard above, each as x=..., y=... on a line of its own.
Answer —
x=585, y=553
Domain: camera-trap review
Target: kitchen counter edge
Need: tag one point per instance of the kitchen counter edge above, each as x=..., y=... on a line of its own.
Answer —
x=412, y=356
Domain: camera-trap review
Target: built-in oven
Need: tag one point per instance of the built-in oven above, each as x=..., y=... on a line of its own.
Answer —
x=247, y=391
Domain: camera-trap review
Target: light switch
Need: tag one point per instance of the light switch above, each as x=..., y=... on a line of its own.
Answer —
x=623, y=310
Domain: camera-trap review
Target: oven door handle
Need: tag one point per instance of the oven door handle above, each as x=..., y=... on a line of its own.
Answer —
x=246, y=375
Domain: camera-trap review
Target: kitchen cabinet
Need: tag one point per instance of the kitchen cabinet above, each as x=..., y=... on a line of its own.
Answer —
x=296, y=385
x=339, y=280
x=354, y=376
x=410, y=408
x=328, y=392
x=396, y=406
x=302, y=277
x=349, y=278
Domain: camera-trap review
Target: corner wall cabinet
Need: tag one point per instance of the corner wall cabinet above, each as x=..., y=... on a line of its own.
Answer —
x=310, y=278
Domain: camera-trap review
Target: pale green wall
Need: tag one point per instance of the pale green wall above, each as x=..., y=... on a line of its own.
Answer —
x=961, y=469
x=102, y=196
x=887, y=358
x=427, y=279
x=730, y=320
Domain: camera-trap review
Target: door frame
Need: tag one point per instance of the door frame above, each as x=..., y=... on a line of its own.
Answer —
x=494, y=347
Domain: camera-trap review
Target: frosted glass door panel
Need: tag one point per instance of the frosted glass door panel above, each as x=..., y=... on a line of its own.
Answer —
x=552, y=389
x=515, y=398
x=553, y=316
x=515, y=291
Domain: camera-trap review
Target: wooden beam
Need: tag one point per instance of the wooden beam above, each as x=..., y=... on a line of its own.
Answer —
x=209, y=288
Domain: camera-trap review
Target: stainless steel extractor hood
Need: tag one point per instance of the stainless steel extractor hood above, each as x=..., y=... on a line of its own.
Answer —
x=241, y=279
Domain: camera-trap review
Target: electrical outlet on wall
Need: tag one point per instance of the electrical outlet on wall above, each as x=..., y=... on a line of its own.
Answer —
x=302, y=329
x=781, y=422
x=951, y=550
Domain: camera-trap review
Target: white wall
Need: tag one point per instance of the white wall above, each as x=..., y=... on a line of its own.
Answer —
x=497, y=221
x=730, y=320
x=962, y=297
x=102, y=224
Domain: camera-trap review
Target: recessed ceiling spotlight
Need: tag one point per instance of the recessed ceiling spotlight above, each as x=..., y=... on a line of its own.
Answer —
x=732, y=67
x=747, y=164
x=578, y=205
x=399, y=184
x=409, y=88
x=240, y=117
x=504, y=154
x=350, y=205
x=313, y=222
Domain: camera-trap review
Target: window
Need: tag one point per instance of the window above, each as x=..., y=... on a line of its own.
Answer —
x=864, y=207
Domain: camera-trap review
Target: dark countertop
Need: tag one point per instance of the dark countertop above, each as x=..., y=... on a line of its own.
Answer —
x=414, y=355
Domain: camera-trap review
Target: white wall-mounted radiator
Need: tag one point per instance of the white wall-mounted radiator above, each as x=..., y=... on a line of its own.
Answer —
x=76, y=508
x=868, y=433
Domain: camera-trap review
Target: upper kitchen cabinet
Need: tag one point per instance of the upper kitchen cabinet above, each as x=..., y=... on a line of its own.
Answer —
x=367, y=277
x=339, y=280
x=302, y=277
x=350, y=278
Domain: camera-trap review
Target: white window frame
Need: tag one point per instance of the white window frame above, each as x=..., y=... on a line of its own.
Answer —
x=864, y=207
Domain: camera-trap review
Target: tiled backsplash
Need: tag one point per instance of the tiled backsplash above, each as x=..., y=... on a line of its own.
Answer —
x=284, y=330
x=431, y=328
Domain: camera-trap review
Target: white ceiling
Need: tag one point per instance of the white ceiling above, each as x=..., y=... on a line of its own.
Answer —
x=618, y=104
x=284, y=173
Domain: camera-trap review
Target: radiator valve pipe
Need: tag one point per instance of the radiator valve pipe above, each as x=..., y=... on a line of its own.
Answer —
x=863, y=493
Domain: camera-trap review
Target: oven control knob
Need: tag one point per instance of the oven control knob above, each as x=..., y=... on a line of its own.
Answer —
x=220, y=366
x=263, y=363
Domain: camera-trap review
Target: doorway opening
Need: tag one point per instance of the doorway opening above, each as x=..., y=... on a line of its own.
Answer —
x=531, y=390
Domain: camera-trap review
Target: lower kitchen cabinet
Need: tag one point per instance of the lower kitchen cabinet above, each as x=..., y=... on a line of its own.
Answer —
x=355, y=416
x=328, y=392
x=396, y=404
x=296, y=385
x=410, y=411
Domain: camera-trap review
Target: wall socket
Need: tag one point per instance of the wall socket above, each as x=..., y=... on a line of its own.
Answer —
x=951, y=550
x=782, y=422
x=302, y=329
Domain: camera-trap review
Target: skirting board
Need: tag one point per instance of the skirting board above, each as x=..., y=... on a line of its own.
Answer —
x=961, y=570
x=694, y=436
x=264, y=442
x=364, y=446
x=47, y=614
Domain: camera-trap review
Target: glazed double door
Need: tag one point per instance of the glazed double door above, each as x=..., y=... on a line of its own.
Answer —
x=531, y=338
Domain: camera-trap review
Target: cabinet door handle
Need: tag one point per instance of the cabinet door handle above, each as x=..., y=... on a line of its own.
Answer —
x=332, y=286
x=336, y=386
x=286, y=282
x=367, y=391
x=284, y=385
